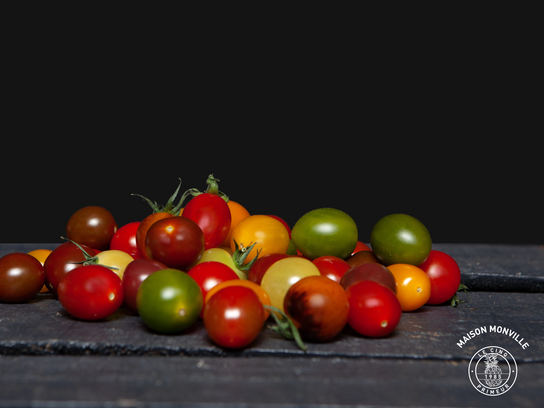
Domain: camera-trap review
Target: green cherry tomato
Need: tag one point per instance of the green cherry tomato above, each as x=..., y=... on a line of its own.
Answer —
x=400, y=238
x=325, y=231
x=169, y=301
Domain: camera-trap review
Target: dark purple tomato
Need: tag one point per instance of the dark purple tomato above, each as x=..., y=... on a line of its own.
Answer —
x=93, y=226
x=61, y=261
x=135, y=273
x=21, y=277
x=369, y=271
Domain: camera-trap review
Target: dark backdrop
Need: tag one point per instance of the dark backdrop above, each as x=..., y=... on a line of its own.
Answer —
x=452, y=141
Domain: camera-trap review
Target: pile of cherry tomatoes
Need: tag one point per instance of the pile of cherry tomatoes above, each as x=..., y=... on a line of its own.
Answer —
x=211, y=259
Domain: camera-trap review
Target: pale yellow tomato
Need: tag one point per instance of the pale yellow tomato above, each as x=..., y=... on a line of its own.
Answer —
x=221, y=255
x=283, y=274
x=114, y=258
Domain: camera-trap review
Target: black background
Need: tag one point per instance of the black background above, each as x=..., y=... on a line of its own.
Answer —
x=447, y=134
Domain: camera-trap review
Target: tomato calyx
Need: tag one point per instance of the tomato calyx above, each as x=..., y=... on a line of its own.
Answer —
x=213, y=188
x=285, y=326
x=240, y=255
x=89, y=260
x=455, y=301
x=169, y=206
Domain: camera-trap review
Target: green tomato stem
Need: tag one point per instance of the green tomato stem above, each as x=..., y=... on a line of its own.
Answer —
x=167, y=208
x=285, y=326
x=89, y=260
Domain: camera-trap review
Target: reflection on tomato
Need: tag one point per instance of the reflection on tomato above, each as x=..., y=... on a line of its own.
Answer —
x=233, y=317
x=413, y=286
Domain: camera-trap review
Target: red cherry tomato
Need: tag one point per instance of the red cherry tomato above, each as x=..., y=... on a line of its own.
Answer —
x=177, y=242
x=374, y=310
x=361, y=246
x=209, y=274
x=233, y=316
x=445, y=276
x=135, y=273
x=61, y=261
x=91, y=292
x=212, y=214
x=125, y=239
x=21, y=277
x=332, y=267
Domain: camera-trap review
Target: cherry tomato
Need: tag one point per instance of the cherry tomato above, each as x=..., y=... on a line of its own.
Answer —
x=169, y=301
x=318, y=306
x=325, y=231
x=259, y=268
x=332, y=267
x=21, y=277
x=91, y=292
x=209, y=274
x=259, y=291
x=115, y=259
x=41, y=255
x=400, y=238
x=135, y=273
x=143, y=228
x=283, y=274
x=177, y=242
x=369, y=271
x=270, y=235
x=125, y=240
x=445, y=276
x=223, y=256
x=362, y=257
x=93, y=226
x=233, y=317
x=62, y=260
x=212, y=214
x=237, y=213
x=374, y=310
x=413, y=286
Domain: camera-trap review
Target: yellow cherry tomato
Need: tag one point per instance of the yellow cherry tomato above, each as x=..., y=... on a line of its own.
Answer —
x=259, y=291
x=269, y=234
x=223, y=256
x=115, y=259
x=41, y=255
x=283, y=274
x=413, y=286
x=237, y=213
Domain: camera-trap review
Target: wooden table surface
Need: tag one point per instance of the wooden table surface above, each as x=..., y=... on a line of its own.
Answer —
x=48, y=358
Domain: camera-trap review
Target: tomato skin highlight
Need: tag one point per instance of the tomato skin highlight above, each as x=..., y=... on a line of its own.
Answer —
x=374, y=310
x=444, y=274
x=212, y=214
x=91, y=292
x=177, y=242
x=233, y=317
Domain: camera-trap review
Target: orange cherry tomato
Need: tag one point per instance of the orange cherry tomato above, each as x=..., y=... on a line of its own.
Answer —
x=260, y=292
x=41, y=255
x=413, y=286
x=268, y=234
x=237, y=213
